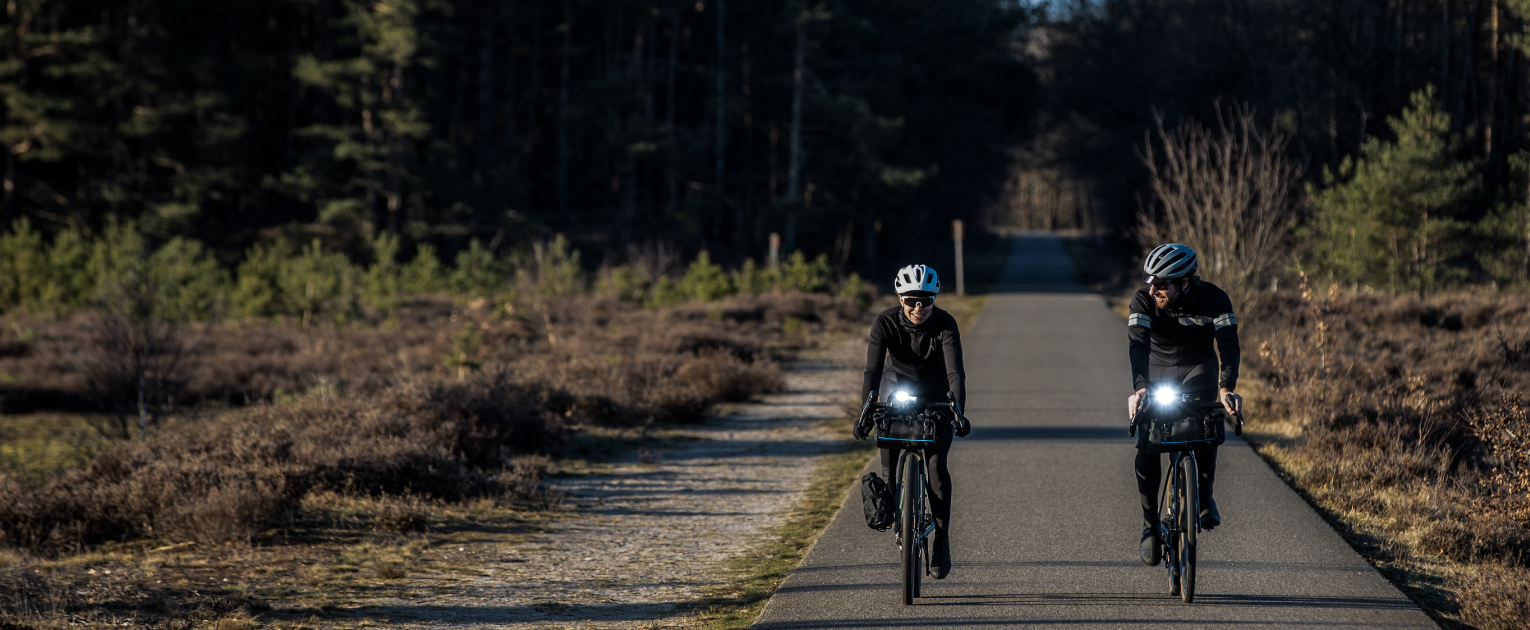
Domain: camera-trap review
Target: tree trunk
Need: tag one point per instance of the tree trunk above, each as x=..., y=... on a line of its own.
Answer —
x=794, y=164
x=484, y=140
x=562, y=122
x=722, y=119
x=671, y=174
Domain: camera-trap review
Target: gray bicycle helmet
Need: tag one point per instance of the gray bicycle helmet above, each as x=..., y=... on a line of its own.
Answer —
x=1170, y=261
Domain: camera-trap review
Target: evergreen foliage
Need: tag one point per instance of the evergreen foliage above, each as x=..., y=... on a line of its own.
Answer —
x=445, y=120
x=1390, y=217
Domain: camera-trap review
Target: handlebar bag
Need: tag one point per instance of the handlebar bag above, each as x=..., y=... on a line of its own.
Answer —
x=910, y=431
x=1184, y=430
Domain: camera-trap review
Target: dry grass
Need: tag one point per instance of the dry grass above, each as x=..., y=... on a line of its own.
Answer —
x=1402, y=419
x=323, y=465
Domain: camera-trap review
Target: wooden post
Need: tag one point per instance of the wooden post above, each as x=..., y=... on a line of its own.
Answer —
x=956, y=235
x=773, y=261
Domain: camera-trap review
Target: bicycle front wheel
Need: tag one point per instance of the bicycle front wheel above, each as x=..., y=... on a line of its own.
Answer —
x=910, y=507
x=1190, y=521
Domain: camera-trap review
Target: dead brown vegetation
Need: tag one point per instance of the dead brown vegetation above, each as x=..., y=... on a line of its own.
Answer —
x=375, y=411
x=1403, y=418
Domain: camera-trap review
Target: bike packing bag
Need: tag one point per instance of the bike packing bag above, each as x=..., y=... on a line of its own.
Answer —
x=906, y=431
x=877, y=502
x=1184, y=429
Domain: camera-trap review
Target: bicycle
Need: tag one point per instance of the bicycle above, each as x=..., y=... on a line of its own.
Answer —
x=911, y=426
x=1179, y=497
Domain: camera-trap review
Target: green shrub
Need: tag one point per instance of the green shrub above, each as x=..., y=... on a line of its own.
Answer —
x=258, y=289
x=666, y=292
x=753, y=280
x=316, y=279
x=24, y=270
x=119, y=263
x=465, y=345
x=804, y=276
x=855, y=288
x=478, y=273
x=69, y=261
x=187, y=282
x=557, y=268
x=380, y=289
x=627, y=283
x=423, y=275
x=706, y=281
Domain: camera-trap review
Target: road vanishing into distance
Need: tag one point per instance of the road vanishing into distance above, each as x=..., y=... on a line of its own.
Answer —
x=1046, y=521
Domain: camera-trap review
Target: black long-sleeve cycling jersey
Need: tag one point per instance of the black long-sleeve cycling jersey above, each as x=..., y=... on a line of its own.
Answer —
x=929, y=352
x=1182, y=333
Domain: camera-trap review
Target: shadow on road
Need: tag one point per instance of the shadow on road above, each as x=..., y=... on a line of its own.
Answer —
x=1069, y=434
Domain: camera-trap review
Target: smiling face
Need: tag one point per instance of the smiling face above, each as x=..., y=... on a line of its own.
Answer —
x=1165, y=291
x=917, y=308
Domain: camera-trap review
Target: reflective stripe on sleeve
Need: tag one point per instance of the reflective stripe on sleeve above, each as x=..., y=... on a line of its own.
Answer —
x=1226, y=319
x=1138, y=319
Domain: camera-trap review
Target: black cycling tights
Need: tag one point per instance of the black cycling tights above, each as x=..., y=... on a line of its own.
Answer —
x=1150, y=476
x=940, y=471
x=1191, y=379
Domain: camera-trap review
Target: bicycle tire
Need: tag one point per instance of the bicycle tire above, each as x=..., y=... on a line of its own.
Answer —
x=1168, y=516
x=1191, y=521
x=908, y=527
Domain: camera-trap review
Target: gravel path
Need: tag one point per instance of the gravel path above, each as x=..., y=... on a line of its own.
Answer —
x=652, y=536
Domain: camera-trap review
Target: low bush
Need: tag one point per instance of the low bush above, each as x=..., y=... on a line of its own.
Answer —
x=387, y=411
x=1404, y=418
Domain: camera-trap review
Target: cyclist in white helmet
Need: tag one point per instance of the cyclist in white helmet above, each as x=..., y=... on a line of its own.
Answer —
x=1172, y=325
x=922, y=348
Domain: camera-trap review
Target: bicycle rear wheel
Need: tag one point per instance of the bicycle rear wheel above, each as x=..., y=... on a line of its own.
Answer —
x=910, y=491
x=1190, y=515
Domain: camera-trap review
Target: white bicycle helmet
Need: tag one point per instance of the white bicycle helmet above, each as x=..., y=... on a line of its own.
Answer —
x=916, y=279
x=1170, y=262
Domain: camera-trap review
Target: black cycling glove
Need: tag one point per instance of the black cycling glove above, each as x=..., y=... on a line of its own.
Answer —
x=862, y=429
x=964, y=427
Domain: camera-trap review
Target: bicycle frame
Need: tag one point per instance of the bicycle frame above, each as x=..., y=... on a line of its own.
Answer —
x=914, y=523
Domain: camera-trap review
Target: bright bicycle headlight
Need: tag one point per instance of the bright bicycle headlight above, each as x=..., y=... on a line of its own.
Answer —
x=1165, y=396
x=902, y=398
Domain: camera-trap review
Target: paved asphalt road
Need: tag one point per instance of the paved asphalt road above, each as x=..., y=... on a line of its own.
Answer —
x=1046, y=523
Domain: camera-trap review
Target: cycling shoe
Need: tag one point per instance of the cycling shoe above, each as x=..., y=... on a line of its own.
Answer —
x=941, y=557
x=1152, y=546
x=1210, y=517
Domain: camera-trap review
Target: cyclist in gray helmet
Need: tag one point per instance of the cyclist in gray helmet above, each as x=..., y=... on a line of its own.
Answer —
x=1173, y=323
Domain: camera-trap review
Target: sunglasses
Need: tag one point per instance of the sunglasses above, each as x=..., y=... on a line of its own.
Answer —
x=1159, y=285
x=916, y=302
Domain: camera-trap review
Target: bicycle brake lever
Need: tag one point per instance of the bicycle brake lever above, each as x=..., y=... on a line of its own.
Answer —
x=1238, y=426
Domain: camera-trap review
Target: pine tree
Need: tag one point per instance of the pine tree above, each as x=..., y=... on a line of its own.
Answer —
x=1389, y=217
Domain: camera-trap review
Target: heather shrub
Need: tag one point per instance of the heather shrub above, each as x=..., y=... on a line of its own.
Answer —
x=1409, y=424
x=233, y=479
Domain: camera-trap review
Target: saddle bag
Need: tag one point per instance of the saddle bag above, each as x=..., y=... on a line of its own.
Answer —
x=877, y=501
x=1189, y=429
x=906, y=431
